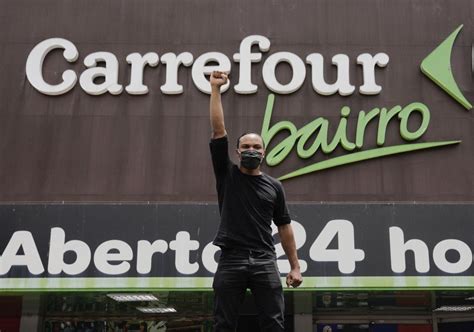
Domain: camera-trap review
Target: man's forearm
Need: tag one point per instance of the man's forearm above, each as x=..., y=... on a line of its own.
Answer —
x=217, y=113
x=289, y=246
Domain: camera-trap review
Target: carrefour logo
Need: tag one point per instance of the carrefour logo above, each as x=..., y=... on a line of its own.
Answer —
x=437, y=66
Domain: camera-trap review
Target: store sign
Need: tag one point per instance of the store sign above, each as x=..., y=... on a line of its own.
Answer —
x=436, y=66
x=199, y=70
x=307, y=141
x=163, y=246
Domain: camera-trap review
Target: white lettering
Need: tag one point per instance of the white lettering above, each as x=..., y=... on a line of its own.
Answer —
x=34, y=66
x=200, y=70
x=145, y=251
x=300, y=239
x=297, y=66
x=346, y=255
x=398, y=249
x=245, y=59
x=30, y=258
x=57, y=248
x=103, y=256
x=465, y=256
x=138, y=63
x=171, y=86
x=183, y=245
x=368, y=63
x=342, y=84
x=208, y=254
x=109, y=72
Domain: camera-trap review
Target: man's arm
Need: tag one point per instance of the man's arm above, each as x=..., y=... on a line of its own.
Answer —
x=216, y=111
x=287, y=238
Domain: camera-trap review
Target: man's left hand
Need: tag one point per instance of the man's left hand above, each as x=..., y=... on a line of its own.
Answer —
x=294, y=278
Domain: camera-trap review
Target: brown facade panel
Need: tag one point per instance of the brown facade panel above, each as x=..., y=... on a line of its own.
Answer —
x=154, y=147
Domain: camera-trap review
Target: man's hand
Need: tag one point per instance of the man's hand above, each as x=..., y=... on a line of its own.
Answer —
x=287, y=238
x=218, y=79
x=294, y=278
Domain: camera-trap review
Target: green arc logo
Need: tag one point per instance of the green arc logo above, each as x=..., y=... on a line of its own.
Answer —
x=437, y=66
x=364, y=155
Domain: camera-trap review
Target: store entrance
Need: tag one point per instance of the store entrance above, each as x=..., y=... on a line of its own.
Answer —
x=306, y=311
x=128, y=312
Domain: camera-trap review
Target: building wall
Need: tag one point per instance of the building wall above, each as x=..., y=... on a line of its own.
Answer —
x=154, y=147
x=81, y=148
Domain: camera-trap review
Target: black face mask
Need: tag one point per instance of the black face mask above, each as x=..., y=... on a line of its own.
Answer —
x=250, y=159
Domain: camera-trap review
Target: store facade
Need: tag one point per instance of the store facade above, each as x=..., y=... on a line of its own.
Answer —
x=107, y=187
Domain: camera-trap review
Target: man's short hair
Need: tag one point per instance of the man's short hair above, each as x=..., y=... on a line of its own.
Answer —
x=247, y=133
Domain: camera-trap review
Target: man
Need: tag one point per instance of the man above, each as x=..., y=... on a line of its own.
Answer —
x=248, y=202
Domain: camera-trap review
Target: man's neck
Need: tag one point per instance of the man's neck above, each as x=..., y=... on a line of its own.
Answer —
x=250, y=171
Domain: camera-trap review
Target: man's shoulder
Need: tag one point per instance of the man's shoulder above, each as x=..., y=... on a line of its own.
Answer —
x=277, y=183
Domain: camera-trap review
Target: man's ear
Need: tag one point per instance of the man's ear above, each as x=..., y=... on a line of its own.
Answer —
x=237, y=152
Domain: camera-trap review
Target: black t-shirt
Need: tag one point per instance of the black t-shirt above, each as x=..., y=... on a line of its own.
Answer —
x=247, y=203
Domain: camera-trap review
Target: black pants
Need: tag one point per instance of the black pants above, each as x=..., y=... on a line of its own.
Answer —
x=242, y=269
